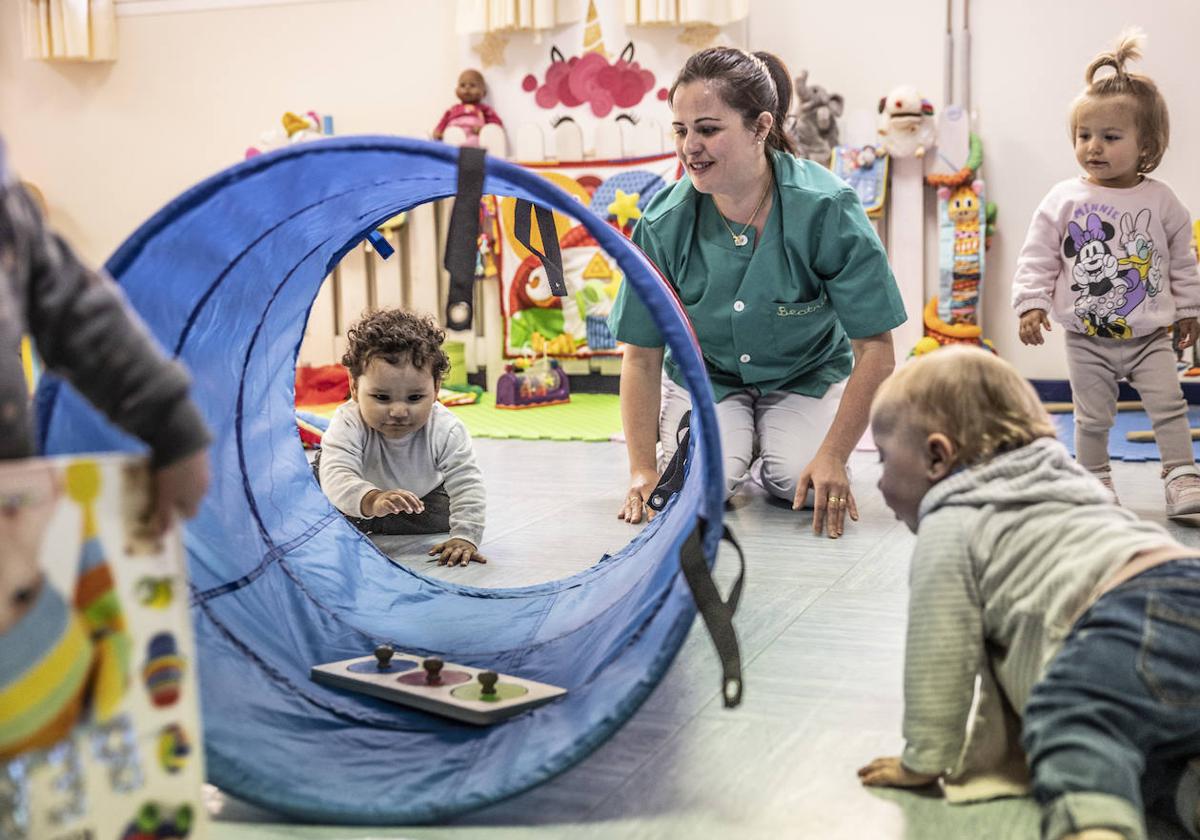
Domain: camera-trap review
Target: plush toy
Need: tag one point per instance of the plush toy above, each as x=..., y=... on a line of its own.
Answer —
x=293, y=128
x=526, y=384
x=865, y=170
x=906, y=124
x=470, y=114
x=814, y=127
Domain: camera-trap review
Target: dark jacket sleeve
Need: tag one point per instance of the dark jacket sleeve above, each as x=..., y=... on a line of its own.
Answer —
x=85, y=332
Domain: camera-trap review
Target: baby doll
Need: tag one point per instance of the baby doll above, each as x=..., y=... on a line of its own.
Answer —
x=470, y=114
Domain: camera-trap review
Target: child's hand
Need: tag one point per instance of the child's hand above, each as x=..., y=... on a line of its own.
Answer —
x=1188, y=329
x=179, y=488
x=1032, y=323
x=454, y=551
x=392, y=501
x=889, y=772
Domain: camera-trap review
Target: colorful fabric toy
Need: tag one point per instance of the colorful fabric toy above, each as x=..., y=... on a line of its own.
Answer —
x=865, y=169
x=45, y=662
x=962, y=220
x=60, y=661
x=540, y=383
x=293, y=128
x=96, y=597
x=907, y=126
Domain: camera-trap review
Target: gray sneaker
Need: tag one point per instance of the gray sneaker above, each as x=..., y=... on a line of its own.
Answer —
x=1183, y=492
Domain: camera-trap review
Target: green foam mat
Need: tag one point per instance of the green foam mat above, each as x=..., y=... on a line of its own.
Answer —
x=592, y=417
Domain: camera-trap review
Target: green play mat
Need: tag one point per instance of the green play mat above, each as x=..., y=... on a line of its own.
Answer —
x=592, y=417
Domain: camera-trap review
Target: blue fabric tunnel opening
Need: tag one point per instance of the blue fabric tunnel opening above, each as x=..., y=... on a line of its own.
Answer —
x=225, y=276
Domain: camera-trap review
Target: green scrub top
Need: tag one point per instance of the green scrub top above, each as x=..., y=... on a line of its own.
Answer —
x=780, y=316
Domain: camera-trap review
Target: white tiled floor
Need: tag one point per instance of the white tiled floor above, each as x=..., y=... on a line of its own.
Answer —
x=822, y=631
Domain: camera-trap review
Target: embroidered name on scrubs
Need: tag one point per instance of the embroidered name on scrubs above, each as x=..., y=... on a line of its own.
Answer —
x=807, y=309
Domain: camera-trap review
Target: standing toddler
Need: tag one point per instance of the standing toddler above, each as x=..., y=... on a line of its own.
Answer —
x=1109, y=255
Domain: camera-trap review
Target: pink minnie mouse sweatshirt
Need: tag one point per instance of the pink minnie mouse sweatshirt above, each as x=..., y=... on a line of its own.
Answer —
x=1113, y=263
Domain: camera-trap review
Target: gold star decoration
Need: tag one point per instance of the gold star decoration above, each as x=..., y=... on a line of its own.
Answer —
x=491, y=49
x=624, y=207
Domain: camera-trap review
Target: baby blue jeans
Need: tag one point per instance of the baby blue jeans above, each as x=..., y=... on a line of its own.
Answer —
x=1111, y=727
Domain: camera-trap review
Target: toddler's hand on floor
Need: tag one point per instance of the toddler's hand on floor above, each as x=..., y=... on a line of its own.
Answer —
x=889, y=772
x=456, y=550
x=396, y=501
x=1188, y=329
x=179, y=488
x=1031, y=326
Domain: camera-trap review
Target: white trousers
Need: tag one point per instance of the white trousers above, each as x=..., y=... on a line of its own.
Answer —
x=782, y=430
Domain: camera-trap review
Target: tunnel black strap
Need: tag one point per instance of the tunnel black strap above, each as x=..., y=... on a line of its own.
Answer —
x=552, y=258
x=717, y=612
x=462, y=239
x=672, y=477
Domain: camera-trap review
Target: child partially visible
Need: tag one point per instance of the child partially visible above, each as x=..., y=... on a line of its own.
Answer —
x=85, y=332
x=1027, y=576
x=395, y=460
x=1109, y=254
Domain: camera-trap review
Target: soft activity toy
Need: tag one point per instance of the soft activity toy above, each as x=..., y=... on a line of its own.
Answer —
x=293, y=128
x=865, y=169
x=470, y=114
x=906, y=127
x=59, y=661
x=965, y=224
x=527, y=384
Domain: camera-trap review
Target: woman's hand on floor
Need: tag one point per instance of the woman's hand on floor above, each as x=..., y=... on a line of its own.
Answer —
x=641, y=485
x=888, y=771
x=832, y=498
x=455, y=551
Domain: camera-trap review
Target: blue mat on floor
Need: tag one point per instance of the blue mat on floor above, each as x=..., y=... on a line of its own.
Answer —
x=1118, y=446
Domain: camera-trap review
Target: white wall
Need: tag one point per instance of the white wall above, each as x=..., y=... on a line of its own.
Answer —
x=109, y=144
x=1027, y=63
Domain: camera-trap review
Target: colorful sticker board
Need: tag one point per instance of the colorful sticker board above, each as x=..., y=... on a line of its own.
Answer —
x=99, y=730
x=471, y=695
x=865, y=169
x=536, y=322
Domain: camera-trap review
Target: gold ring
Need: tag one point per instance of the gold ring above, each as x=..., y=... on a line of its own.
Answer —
x=835, y=499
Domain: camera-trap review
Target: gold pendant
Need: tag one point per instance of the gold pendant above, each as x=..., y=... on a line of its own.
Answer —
x=739, y=240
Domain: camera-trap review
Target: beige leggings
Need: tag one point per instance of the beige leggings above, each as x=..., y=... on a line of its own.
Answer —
x=1096, y=364
x=783, y=429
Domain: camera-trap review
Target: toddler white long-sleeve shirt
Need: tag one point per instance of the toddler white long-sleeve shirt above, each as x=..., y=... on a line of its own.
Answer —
x=1114, y=263
x=356, y=459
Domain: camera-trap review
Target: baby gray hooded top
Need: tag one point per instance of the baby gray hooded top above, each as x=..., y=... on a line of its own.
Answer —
x=1008, y=553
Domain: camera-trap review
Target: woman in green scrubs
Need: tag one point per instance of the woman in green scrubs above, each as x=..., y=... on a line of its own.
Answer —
x=787, y=287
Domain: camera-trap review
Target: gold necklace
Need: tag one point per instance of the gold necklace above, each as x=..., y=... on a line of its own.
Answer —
x=740, y=238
